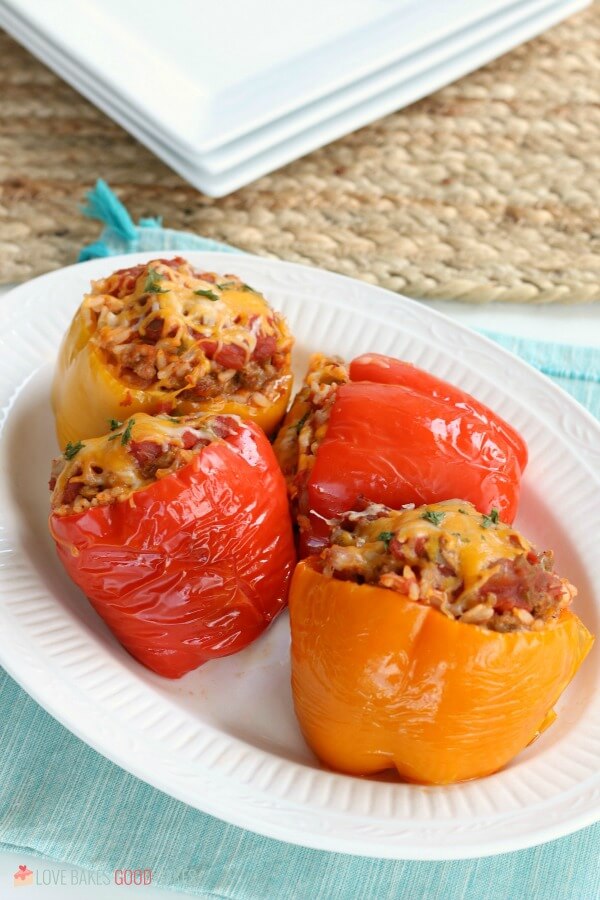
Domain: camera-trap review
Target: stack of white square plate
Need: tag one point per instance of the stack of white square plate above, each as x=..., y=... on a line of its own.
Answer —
x=227, y=91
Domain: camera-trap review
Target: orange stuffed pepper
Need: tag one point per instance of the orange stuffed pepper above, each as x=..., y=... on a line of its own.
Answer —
x=435, y=641
x=162, y=337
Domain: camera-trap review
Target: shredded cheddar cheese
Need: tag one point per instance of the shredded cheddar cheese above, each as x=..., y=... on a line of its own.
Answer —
x=193, y=335
x=470, y=566
x=130, y=457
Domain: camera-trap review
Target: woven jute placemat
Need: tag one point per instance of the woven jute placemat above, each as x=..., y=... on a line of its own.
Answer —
x=488, y=190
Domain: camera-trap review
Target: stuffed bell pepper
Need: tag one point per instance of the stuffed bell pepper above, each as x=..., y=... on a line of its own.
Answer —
x=434, y=640
x=163, y=337
x=384, y=430
x=178, y=532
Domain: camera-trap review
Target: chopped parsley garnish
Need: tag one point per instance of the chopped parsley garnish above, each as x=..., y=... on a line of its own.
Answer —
x=492, y=519
x=126, y=436
x=432, y=516
x=114, y=424
x=463, y=511
x=152, y=285
x=173, y=419
x=386, y=537
x=210, y=294
x=236, y=285
x=300, y=423
x=72, y=450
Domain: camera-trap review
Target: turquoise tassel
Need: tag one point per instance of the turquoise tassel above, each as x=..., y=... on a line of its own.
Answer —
x=94, y=251
x=121, y=234
x=104, y=205
x=151, y=222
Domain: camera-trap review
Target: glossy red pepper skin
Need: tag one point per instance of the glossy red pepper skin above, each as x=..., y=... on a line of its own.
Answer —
x=387, y=370
x=419, y=442
x=193, y=567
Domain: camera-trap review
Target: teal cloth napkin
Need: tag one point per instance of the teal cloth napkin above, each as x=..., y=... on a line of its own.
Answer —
x=61, y=799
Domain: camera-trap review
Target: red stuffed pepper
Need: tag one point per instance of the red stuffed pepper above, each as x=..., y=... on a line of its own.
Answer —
x=178, y=531
x=384, y=431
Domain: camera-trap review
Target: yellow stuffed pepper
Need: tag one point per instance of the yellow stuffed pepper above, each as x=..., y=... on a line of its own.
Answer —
x=164, y=338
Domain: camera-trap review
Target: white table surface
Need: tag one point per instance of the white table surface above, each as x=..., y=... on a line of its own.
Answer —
x=566, y=324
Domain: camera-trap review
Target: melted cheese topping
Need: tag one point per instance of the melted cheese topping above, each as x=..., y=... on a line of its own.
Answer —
x=179, y=322
x=108, y=460
x=474, y=542
x=447, y=555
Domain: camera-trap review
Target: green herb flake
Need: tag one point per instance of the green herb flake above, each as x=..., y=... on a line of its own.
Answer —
x=152, y=285
x=492, y=519
x=114, y=424
x=432, y=516
x=464, y=512
x=72, y=450
x=126, y=436
x=235, y=286
x=386, y=537
x=210, y=294
x=173, y=419
x=300, y=423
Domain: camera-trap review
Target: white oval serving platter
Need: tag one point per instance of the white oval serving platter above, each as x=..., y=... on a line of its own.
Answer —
x=224, y=738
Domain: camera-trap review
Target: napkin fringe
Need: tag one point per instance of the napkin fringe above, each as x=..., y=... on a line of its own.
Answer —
x=103, y=204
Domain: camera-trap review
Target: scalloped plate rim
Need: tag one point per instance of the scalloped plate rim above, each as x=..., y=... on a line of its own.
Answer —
x=14, y=664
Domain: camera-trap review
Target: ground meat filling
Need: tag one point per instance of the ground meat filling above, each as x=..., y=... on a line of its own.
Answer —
x=195, y=335
x=306, y=424
x=134, y=455
x=470, y=567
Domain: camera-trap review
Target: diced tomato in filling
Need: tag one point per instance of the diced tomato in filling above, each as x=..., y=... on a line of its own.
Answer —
x=131, y=270
x=521, y=584
x=71, y=491
x=174, y=263
x=145, y=452
x=153, y=330
x=231, y=356
x=266, y=345
x=189, y=440
x=206, y=276
x=126, y=278
x=418, y=547
x=397, y=549
x=221, y=426
x=124, y=281
x=209, y=348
